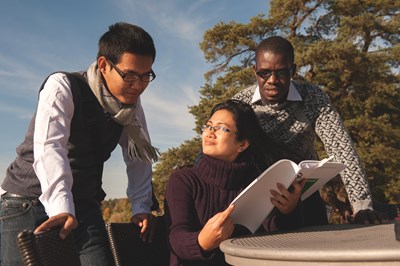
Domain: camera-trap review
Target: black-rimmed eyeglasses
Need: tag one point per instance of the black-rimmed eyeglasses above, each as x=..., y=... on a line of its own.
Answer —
x=281, y=73
x=132, y=76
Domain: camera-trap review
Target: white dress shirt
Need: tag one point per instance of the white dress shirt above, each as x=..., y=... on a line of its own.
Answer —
x=52, y=130
x=293, y=94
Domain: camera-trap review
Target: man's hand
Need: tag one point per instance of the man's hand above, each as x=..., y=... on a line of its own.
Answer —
x=217, y=229
x=368, y=217
x=66, y=221
x=145, y=221
x=286, y=201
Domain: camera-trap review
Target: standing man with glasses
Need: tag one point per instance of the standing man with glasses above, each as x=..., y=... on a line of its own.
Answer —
x=56, y=179
x=293, y=114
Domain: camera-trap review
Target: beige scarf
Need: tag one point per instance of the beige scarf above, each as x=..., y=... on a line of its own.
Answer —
x=139, y=146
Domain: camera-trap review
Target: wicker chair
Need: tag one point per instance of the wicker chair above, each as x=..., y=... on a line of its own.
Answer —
x=129, y=249
x=47, y=249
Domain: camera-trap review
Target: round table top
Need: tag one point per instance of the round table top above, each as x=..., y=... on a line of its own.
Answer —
x=330, y=243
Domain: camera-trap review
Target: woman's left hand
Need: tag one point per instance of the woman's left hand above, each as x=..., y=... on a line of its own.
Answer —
x=284, y=200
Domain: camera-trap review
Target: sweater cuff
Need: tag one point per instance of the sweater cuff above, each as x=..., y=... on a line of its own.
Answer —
x=360, y=205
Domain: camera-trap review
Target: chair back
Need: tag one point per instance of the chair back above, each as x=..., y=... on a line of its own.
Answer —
x=47, y=249
x=128, y=248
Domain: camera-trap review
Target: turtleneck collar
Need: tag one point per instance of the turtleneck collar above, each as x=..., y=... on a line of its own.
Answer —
x=226, y=175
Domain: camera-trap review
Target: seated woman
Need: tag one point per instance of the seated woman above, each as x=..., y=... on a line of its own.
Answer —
x=197, y=200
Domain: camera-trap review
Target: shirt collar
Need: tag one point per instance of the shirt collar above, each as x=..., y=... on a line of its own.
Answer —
x=293, y=94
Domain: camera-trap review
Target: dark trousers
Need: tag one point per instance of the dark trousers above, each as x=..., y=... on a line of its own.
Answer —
x=17, y=214
x=314, y=210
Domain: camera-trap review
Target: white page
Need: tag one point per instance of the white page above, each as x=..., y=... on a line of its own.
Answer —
x=321, y=175
x=253, y=204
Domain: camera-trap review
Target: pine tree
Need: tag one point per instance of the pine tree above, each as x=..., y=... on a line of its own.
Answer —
x=348, y=47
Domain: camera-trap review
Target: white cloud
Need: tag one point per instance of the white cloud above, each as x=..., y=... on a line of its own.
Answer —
x=168, y=118
x=170, y=17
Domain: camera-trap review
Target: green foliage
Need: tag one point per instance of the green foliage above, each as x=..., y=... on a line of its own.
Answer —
x=348, y=47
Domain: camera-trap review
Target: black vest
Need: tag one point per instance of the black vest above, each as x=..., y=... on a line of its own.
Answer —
x=93, y=136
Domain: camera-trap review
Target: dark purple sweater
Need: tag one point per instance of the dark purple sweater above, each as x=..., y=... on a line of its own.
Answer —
x=193, y=196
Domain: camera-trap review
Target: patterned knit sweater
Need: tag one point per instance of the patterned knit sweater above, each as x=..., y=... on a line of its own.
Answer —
x=294, y=125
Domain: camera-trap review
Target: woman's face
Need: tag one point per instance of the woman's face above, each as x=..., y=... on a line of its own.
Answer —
x=217, y=141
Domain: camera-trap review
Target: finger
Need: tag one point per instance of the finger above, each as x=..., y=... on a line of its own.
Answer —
x=383, y=217
x=64, y=233
x=145, y=236
x=136, y=221
x=41, y=228
x=285, y=192
x=276, y=203
x=221, y=218
x=298, y=185
x=362, y=217
x=280, y=203
x=372, y=217
x=376, y=217
x=225, y=214
x=69, y=225
x=302, y=182
x=279, y=197
x=145, y=232
x=49, y=224
x=281, y=187
x=145, y=224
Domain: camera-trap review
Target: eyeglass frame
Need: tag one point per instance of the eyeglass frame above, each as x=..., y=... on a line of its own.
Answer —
x=216, y=129
x=280, y=73
x=133, y=74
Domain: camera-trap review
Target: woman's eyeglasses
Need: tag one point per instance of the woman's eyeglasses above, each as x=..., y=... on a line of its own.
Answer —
x=217, y=129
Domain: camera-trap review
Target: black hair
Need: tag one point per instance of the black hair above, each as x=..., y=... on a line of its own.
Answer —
x=248, y=127
x=124, y=37
x=277, y=45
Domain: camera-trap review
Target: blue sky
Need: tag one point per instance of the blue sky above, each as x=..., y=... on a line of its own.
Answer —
x=41, y=37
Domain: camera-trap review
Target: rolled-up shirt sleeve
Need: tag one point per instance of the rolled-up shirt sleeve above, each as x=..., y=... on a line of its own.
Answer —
x=139, y=190
x=52, y=130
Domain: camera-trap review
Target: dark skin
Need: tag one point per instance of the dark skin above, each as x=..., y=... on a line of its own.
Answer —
x=274, y=74
x=368, y=217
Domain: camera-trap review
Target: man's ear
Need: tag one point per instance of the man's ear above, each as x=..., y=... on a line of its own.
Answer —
x=254, y=69
x=293, y=70
x=102, y=64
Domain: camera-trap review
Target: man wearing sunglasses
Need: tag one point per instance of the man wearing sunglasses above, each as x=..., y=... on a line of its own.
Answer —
x=56, y=179
x=293, y=114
